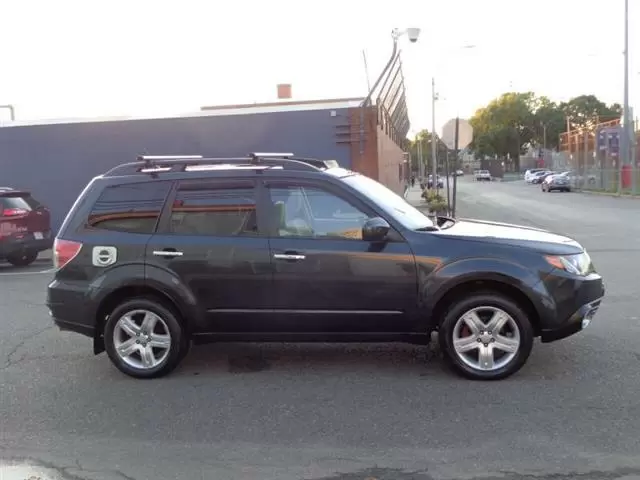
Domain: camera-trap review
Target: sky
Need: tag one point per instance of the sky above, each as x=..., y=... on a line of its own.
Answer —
x=78, y=58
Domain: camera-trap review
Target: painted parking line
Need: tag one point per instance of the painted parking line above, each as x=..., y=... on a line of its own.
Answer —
x=37, y=272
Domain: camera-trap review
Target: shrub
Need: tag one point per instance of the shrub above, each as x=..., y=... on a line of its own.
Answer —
x=437, y=203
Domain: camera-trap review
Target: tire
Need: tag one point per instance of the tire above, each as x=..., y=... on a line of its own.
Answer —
x=22, y=259
x=167, y=328
x=517, y=324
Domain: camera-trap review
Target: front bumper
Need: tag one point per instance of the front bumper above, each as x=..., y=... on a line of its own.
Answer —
x=576, y=323
x=576, y=301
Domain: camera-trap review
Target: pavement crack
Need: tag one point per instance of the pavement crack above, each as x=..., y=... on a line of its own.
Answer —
x=588, y=475
x=10, y=359
x=380, y=473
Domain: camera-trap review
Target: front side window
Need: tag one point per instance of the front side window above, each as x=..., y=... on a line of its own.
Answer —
x=132, y=208
x=303, y=211
x=214, y=211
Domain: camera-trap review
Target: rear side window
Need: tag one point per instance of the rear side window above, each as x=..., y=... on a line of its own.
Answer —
x=214, y=211
x=132, y=208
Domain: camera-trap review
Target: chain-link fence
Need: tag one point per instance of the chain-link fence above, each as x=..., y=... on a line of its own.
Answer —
x=607, y=180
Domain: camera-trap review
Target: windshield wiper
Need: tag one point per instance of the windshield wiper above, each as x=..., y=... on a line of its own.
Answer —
x=428, y=228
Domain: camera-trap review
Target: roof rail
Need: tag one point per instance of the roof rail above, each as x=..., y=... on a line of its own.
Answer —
x=321, y=164
x=154, y=164
x=150, y=159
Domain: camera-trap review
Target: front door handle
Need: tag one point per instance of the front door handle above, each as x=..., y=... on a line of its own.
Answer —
x=289, y=256
x=167, y=253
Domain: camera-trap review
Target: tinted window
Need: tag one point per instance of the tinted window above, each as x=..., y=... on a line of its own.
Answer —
x=212, y=211
x=312, y=212
x=133, y=208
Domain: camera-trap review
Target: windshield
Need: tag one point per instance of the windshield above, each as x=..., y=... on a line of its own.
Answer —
x=393, y=204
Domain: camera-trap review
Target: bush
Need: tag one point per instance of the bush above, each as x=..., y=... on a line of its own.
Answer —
x=437, y=203
x=438, y=207
x=429, y=194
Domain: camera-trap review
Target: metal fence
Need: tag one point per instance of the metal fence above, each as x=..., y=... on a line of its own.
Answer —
x=607, y=180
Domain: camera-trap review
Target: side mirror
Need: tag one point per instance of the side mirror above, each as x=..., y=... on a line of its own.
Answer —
x=375, y=229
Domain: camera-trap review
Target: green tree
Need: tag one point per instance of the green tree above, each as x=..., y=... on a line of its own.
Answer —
x=549, y=122
x=588, y=110
x=423, y=137
x=514, y=121
x=505, y=126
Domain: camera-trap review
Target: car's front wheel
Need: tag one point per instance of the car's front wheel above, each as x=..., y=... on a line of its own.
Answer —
x=486, y=336
x=144, y=338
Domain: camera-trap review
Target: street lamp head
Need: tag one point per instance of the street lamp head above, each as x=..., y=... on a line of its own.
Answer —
x=412, y=33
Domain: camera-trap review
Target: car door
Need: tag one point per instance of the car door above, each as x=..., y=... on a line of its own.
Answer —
x=210, y=239
x=326, y=278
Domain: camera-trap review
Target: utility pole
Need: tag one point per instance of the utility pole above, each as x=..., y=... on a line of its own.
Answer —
x=434, y=148
x=420, y=159
x=12, y=111
x=626, y=128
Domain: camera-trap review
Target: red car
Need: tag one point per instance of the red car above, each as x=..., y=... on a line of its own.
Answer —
x=25, y=227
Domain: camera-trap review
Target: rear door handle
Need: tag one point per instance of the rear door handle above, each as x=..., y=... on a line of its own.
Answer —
x=289, y=256
x=167, y=253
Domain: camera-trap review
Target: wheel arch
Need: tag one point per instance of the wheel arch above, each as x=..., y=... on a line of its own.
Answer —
x=488, y=285
x=120, y=295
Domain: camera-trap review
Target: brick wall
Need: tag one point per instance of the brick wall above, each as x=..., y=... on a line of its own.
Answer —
x=373, y=152
x=390, y=158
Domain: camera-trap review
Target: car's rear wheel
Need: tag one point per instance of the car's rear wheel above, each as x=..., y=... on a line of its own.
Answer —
x=486, y=336
x=22, y=259
x=144, y=338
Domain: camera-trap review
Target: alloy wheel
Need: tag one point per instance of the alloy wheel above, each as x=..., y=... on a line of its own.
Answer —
x=486, y=338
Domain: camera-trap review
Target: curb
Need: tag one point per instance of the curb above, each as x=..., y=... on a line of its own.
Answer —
x=607, y=194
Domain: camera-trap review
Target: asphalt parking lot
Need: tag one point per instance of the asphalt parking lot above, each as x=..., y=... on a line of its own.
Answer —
x=340, y=412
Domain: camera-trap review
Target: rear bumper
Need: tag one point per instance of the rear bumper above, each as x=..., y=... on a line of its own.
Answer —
x=68, y=308
x=14, y=245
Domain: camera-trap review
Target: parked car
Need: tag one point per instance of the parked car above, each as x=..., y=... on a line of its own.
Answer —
x=556, y=182
x=160, y=253
x=25, y=227
x=578, y=180
x=483, y=176
x=459, y=173
x=539, y=177
x=440, y=182
x=529, y=174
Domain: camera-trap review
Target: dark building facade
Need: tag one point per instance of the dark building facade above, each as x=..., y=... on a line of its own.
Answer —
x=55, y=160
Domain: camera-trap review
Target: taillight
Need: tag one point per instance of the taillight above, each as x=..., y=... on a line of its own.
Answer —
x=64, y=251
x=14, y=212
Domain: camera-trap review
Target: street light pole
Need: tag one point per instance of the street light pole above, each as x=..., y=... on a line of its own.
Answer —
x=434, y=148
x=12, y=111
x=626, y=116
x=625, y=141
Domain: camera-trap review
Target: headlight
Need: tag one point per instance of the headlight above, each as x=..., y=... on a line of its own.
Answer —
x=579, y=264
